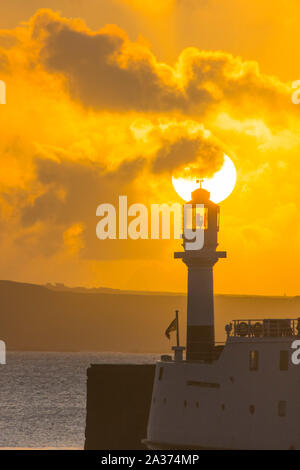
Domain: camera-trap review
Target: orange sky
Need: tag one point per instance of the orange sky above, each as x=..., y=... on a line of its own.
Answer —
x=98, y=92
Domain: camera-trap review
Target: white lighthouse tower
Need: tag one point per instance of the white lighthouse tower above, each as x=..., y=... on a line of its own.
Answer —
x=200, y=262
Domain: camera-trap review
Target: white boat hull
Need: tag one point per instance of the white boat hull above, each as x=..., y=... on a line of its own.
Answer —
x=224, y=405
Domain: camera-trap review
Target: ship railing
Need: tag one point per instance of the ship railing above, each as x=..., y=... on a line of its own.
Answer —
x=264, y=328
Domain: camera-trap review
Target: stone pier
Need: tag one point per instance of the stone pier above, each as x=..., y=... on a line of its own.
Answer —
x=118, y=404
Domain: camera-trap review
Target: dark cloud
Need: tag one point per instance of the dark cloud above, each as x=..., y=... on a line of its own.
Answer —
x=218, y=78
x=89, y=61
x=207, y=155
x=71, y=193
x=104, y=70
x=72, y=190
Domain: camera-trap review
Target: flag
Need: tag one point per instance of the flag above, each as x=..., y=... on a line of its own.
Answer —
x=171, y=327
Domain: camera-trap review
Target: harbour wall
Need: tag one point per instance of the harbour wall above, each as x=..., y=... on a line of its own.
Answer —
x=118, y=405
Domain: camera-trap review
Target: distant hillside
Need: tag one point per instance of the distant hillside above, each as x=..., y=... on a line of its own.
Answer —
x=103, y=290
x=37, y=318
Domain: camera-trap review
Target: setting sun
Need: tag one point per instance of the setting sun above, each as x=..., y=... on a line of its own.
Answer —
x=220, y=185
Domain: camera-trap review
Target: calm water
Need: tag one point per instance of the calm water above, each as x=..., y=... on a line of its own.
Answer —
x=43, y=396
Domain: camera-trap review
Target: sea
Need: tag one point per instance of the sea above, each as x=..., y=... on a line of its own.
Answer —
x=43, y=397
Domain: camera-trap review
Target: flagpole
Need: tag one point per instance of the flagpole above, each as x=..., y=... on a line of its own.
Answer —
x=177, y=328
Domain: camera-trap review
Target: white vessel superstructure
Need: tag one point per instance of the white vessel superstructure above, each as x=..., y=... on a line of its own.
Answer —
x=241, y=395
x=247, y=398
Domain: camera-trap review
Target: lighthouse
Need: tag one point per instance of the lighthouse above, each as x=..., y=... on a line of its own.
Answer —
x=204, y=216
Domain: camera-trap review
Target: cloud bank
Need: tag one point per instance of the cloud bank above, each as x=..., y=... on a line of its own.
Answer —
x=92, y=114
